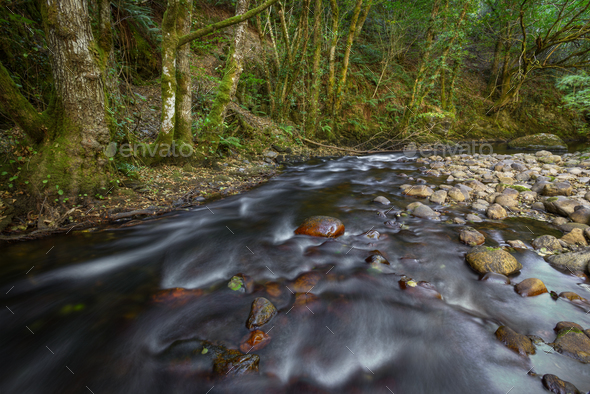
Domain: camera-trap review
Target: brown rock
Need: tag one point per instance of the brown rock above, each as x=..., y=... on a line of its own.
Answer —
x=471, y=237
x=321, y=226
x=567, y=325
x=515, y=341
x=496, y=212
x=573, y=297
x=530, y=287
x=517, y=244
x=306, y=281
x=558, y=386
x=548, y=242
x=483, y=259
x=232, y=362
x=305, y=299
x=376, y=258
x=573, y=343
x=254, y=341
x=421, y=191
x=558, y=189
x=261, y=313
x=575, y=237
x=176, y=296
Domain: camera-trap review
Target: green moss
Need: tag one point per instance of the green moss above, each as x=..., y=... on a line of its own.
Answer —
x=551, y=199
x=520, y=188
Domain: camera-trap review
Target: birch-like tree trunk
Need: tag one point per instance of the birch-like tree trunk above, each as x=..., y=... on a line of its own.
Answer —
x=213, y=127
x=183, y=77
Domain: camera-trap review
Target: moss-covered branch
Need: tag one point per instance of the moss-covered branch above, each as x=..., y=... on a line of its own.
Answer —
x=224, y=23
x=15, y=105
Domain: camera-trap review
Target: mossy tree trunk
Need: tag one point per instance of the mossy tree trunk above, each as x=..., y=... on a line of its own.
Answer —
x=344, y=68
x=73, y=152
x=183, y=131
x=332, y=54
x=315, y=72
x=213, y=127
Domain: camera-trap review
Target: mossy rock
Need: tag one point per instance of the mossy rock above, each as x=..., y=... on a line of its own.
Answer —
x=538, y=142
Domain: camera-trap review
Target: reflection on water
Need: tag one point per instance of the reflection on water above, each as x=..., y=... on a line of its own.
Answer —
x=85, y=311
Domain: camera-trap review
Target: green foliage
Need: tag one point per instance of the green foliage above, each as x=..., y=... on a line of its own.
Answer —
x=577, y=91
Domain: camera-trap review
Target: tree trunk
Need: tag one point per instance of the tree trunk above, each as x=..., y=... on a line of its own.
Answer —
x=168, y=79
x=213, y=127
x=183, y=124
x=15, y=105
x=74, y=152
x=345, y=62
x=316, y=77
x=493, y=81
x=332, y=56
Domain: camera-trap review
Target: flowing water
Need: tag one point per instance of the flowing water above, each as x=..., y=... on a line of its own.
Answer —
x=79, y=313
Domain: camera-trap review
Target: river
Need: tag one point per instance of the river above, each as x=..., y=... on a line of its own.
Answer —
x=79, y=313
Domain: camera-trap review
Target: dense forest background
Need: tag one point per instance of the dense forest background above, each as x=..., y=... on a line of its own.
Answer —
x=80, y=80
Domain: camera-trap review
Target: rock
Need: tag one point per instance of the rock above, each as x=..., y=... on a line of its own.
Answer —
x=574, y=343
x=543, y=153
x=495, y=278
x=538, y=206
x=261, y=313
x=241, y=283
x=506, y=201
x=557, y=189
x=459, y=220
x=517, y=244
x=566, y=228
x=270, y=154
x=548, y=242
x=559, y=221
x=581, y=214
x=438, y=197
x=421, y=191
x=424, y=211
x=476, y=185
x=254, y=341
x=471, y=237
x=420, y=289
x=306, y=281
x=575, y=237
x=377, y=258
x=574, y=261
x=515, y=341
x=567, y=325
x=382, y=200
x=528, y=196
x=530, y=287
x=558, y=386
x=496, y=212
x=573, y=297
x=538, y=141
x=232, y=362
x=474, y=218
x=561, y=205
x=456, y=194
x=484, y=259
x=321, y=226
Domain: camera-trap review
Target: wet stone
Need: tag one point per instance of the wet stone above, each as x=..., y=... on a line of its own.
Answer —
x=515, y=341
x=321, y=226
x=530, y=287
x=471, y=237
x=382, y=200
x=496, y=212
x=484, y=259
x=261, y=313
x=558, y=386
x=234, y=363
x=493, y=277
x=254, y=341
x=549, y=242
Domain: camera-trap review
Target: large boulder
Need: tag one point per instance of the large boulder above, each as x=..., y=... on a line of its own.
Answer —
x=530, y=287
x=581, y=214
x=424, y=211
x=549, y=242
x=558, y=386
x=574, y=343
x=575, y=237
x=557, y=189
x=496, y=212
x=574, y=261
x=421, y=191
x=485, y=259
x=538, y=142
x=321, y=226
x=562, y=206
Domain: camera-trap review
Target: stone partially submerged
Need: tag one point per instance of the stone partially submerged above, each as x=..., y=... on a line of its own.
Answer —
x=321, y=226
x=538, y=142
x=484, y=259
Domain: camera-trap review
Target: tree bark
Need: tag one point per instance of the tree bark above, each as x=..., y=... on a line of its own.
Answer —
x=213, y=127
x=315, y=72
x=74, y=153
x=183, y=123
x=332, y=55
